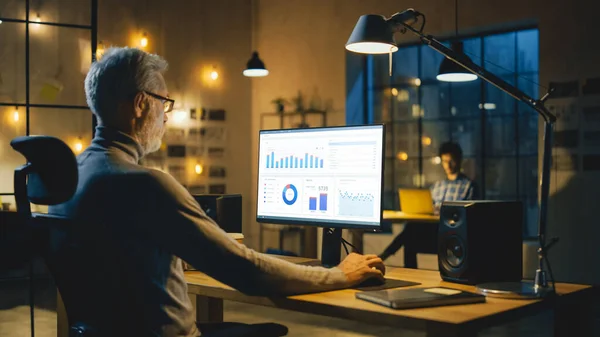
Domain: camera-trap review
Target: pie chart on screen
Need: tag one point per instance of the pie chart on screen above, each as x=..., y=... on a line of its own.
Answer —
x=290, y=194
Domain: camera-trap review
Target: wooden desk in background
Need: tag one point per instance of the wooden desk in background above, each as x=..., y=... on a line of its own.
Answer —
x=428, y=222
x=396, y=216
x=572, y=314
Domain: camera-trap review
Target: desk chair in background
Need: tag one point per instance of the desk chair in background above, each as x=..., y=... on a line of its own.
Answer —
x=50, y=177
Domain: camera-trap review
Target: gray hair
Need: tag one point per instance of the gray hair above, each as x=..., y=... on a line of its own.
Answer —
x=118, y=76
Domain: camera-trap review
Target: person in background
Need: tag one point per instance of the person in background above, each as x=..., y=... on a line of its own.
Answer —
x=456, y=186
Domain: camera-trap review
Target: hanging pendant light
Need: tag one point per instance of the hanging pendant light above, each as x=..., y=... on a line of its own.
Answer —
x=255, y=67
x=451, y=71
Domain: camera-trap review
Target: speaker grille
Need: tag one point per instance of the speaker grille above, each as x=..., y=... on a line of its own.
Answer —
x=455, y=251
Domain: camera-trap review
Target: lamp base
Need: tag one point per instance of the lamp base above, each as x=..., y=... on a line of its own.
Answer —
x=514, y=290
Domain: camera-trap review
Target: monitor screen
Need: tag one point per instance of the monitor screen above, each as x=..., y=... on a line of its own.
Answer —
x=329, y=177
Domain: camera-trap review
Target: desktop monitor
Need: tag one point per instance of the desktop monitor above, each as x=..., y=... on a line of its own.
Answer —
x=330, y=177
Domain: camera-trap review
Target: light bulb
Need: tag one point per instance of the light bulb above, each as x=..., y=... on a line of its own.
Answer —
x=78, y=146
x=179, y=116
x=99, y=50
x=37, y=19
x=214, y=75
x=394, y=92
x=198, y=169
x=0, y=22
x=417, y=82
x=426, y=140
x=436, y=160
x=16, y=114
x=144, y=41
x=402, y=156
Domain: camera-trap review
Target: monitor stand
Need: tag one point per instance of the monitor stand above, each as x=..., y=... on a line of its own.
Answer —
x=330, y=249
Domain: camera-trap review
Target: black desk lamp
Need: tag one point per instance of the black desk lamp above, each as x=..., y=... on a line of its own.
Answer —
x=374, y=34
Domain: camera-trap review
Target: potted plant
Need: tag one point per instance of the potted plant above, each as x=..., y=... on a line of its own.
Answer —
x=280, y=104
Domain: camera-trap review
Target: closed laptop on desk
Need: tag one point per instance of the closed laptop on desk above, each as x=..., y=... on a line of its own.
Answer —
x=419, y=297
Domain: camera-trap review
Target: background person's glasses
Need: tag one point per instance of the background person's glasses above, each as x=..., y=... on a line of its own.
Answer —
x=167, y=102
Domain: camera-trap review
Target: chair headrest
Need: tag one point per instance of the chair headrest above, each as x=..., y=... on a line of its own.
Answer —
x=53, y=176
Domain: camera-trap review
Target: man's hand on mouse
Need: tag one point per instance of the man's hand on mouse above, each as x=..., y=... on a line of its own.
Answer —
x=359, y=268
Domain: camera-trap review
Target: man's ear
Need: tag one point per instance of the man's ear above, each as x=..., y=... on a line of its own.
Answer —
x=140, y=105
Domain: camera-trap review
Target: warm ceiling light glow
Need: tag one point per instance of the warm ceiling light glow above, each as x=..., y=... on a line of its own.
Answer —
x=144, y=41
x=198, y=169
x=16, y=114
x=37, y=19
x=456, y=77
x=417, y=82
x=0, y=22
x=371, y=48
x=78, y=146
x=394, y=92
x=426, y=141
x=179, y=116
x=99, y=50
x=402, y=156
x=436, y=160
x=255, y=72
x=214, y=75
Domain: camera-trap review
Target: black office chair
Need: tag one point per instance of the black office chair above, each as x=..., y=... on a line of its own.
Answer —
x=50, y=177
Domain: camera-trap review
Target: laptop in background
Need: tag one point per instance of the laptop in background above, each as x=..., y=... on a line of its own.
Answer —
x=416, y=200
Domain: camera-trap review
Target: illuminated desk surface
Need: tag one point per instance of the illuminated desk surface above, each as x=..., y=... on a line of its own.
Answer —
x=461, y=320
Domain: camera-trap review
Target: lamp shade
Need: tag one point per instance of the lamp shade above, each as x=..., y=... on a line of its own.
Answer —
x=255, y=67
x=451, y=71
x=372, y=35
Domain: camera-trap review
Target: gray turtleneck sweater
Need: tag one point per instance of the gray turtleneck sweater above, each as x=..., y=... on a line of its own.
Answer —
x=136, y=223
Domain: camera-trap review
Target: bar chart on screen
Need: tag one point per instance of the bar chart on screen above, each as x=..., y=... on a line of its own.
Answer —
x=314, y=158
x=316, y=198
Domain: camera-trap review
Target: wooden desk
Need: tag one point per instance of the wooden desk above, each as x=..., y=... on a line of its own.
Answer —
x=401, y=216
x=461, y=320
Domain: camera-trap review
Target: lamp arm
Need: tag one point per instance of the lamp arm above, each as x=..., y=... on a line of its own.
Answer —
x=403, y=21
x=537, y=105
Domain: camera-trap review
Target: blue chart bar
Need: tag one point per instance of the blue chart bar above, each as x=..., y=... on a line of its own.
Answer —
x=268, y=161
x=323, y=202
x=291, y=161
x=286, y=162
x=301, y=162
x=321, y=163
x=312, y=204
x=281, y=163
x=306, y=160
x=272, y=159
x=311, y=160
x=277, y=165
x=316, y=162
x=296, y=163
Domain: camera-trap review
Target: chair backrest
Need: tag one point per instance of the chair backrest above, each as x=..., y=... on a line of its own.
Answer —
x=49, y=177
x=51, y=169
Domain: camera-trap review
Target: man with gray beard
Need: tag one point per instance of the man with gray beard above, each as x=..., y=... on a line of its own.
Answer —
x=135, y=223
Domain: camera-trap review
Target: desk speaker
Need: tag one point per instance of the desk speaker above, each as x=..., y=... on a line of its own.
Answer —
x=224, y=209
x=480, y=241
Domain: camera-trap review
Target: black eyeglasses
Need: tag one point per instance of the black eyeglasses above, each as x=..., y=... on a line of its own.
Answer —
x=167, y=102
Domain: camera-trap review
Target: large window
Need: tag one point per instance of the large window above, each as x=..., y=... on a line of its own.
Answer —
x=42, y=69
x=498, y=135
